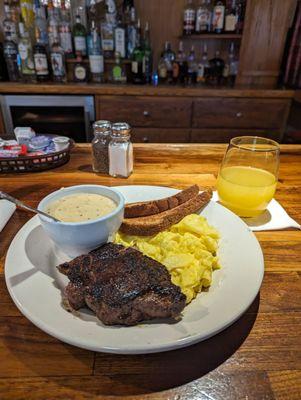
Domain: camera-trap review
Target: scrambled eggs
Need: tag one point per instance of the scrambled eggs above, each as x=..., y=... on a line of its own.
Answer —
x=187, y=249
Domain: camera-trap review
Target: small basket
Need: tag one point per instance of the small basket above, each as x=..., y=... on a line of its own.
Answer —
x=36, y=163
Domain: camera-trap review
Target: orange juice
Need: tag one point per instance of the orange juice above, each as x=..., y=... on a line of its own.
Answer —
x=245, y=190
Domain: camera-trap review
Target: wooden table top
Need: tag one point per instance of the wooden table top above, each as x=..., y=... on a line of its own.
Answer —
x=258, y=357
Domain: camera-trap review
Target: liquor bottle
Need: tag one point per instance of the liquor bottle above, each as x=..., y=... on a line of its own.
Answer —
x=3, y=67
x=40, y=58
x=127, y=5
x=162, y=70
x=79, y=37
x=90, y=38
x=203, y=17
x=65, y=30
x=155, y=78
x=10, y=50
x=217, y=65
x=126, y=11
x=210, y=8
x=179, y=66
x=15, y=11
x=117, y=72
x=148, y=55
x=95, y=56
x=92, y=17
x=26, y=55
x=240, y=12
x=107, y=31
x=203, y=67
x=232, y=66
x=80, y=72
x=9, y=25
x=58, y=65
x=188, y=18
x=53, y=24
x=192, y=67
x=120, y=39
x=137, y=59
x=231, y=18
x=169, y=57
x=218, y=17
x=28, y=16
x=41, y=23
x=131, y=33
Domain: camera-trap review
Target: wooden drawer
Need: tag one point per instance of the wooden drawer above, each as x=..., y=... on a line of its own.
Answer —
x=156, y=135
x=224, y=135
x=240, y=113
x=144, y=111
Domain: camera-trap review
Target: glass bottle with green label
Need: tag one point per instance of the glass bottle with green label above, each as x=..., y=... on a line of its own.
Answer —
x=117, y=71
x=26, y=55
x=95, y=56
x=137, y=59
x=79, y=36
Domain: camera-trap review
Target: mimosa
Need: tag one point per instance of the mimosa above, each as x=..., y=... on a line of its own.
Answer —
x=245, y=190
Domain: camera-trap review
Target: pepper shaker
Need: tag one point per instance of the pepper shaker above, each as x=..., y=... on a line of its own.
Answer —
x=100, y=146
x=120, y=151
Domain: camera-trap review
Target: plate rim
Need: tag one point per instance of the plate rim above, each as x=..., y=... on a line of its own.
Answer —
x=136, y=349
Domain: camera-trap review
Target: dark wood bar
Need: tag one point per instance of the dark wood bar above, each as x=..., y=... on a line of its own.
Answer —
x=157, y=113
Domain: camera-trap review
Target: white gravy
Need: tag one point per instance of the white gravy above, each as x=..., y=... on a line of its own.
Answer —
x=81, y=207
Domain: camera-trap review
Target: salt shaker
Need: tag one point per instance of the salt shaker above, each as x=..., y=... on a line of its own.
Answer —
x=121, y=151
x=100, y=146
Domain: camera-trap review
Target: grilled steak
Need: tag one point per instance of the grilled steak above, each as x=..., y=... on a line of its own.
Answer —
x=122, y=286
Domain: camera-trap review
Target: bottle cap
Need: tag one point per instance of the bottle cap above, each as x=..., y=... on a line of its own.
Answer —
x=120, y=129
x=102, y=126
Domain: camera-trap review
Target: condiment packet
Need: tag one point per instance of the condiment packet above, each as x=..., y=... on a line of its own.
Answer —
x=38, y=143
x=24, y=134
x=20, y=149
x=11, y=142
x=9, y=153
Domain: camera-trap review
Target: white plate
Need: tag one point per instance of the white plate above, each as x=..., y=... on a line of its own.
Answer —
x=35, y=286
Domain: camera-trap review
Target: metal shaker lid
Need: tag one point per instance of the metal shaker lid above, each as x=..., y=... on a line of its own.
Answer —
x=102, y=124
x=121, y=129
x=102, y=127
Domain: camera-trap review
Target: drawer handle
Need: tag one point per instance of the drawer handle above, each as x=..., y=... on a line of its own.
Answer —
x=146, y=113
x=239, y=114
x=145, y=139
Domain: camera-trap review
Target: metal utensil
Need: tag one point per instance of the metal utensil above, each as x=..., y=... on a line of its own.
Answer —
x=19, y=203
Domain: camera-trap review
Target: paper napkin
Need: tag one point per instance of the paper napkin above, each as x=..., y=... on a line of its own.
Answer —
x=6, y=211
x=274, y=218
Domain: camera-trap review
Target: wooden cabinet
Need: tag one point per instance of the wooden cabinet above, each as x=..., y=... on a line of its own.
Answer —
x=239, y=113
x=144, y=111
x=157, y=135
x=215, y=119
x=170, y=114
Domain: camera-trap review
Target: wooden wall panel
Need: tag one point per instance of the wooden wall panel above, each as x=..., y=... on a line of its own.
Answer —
x=165, y=18
x=266, y=26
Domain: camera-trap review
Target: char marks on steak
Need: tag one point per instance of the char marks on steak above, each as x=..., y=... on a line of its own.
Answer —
x=122, y=286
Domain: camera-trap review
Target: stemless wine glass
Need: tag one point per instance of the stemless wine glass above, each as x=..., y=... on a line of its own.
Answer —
x=248, y=175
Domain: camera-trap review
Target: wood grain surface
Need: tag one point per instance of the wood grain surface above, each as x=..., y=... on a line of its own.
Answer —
x=258, y=357
x=136, y=90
